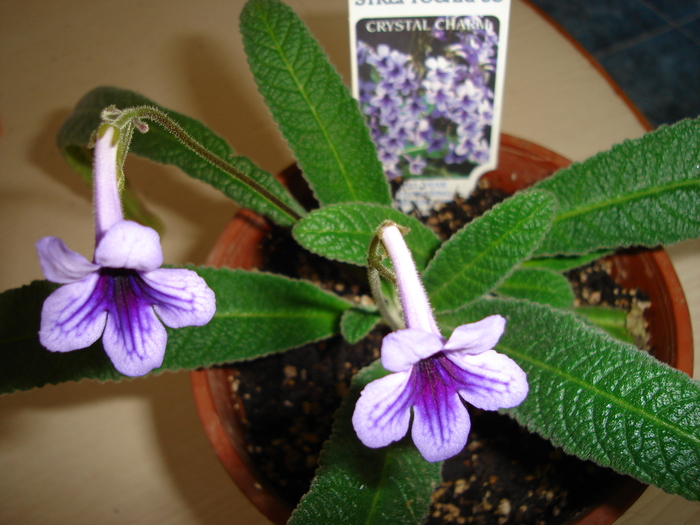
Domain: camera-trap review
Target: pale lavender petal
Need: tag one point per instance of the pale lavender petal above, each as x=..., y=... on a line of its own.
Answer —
x=478, y=337
x=440, y=423
x=73, y=316
x=180, y=297
x=60, y=264
x=404, y=348
x=134, y=337
x=383, y=412
x=129, y=245
x=489, y=380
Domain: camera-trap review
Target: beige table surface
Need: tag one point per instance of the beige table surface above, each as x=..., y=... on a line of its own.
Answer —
x=134, y=452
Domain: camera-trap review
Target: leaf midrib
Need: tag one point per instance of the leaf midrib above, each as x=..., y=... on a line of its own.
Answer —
x=314, y=113
x=628, y=197
x=280, y=315
x=597, y=392
x=499, y=241
x=375, y=500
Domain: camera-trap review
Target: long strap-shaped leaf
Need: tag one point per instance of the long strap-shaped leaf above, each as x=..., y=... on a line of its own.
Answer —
x=641, y=192
x=160, y=146
x=312, y=107
x=483, y=253
x=599, y=398
x=257, y=314
x=361, y=486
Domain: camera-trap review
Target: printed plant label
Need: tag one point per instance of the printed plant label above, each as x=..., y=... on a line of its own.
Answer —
x=429, y=78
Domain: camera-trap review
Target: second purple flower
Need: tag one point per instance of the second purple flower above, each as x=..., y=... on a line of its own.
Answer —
x=432, y=376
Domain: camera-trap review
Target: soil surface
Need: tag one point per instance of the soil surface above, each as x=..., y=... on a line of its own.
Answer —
x=504, y=475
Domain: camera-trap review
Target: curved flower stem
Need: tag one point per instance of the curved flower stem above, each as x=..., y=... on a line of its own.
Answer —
x=132, y=117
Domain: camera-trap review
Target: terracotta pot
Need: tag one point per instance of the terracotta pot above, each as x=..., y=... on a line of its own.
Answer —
x=521, y=164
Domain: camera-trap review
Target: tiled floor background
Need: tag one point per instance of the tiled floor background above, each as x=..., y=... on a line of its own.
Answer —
x=651, y=48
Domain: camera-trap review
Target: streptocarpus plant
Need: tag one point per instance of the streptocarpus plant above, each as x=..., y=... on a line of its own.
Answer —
x=594, y=396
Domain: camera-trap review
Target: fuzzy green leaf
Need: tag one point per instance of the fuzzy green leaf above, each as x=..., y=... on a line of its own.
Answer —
x=344, y=232
x=540, y=286
x=161, y=146
x=483, y=253
x=364, y=486
x=599, y=398
x=256, y=314
x=643, y=192
x=563, y=263
x=312, y=107
x=612, y=320
x=357, y=323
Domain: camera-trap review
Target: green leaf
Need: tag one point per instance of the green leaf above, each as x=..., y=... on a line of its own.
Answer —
x=359, y=485
x=599, y=398
x=563, y=263
x=312, y=107
x=612, y=320
x=344, y=232
x=161, y=146
x=356, y=323
x=256, y=314
x=642, y=192
x=540, y=286
x=483, y=253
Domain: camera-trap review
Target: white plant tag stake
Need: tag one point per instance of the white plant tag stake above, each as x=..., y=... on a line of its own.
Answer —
x=428, y=75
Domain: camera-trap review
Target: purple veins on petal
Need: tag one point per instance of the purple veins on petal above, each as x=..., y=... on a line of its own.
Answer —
x=441, y=424
x=180, y=297
x=134, y=338
x=383, y=412
x=73, y=316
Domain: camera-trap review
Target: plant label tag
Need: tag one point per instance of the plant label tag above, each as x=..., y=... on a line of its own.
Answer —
x=428, y=76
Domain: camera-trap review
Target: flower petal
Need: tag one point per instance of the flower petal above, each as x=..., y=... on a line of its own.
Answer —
x=180, y=297
x=73, y=316
x=383, y=412
x=129, y=245
x=60, y=264
x=134, y=338
x=440, y=424
x=474, y=338
x=404, y=348
x=489, y=380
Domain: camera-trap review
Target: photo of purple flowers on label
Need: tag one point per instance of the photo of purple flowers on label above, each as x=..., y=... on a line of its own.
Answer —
x=426, y=85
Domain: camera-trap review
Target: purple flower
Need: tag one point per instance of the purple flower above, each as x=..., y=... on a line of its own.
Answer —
x=439, y=70
x=416, y=165
x=432, y=375
x=123, y=295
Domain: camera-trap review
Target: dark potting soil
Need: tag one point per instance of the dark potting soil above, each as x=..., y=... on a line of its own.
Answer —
x=504, y=475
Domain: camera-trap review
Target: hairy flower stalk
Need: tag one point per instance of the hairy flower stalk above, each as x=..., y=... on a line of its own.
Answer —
x=122, y=295
x=432, y=375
